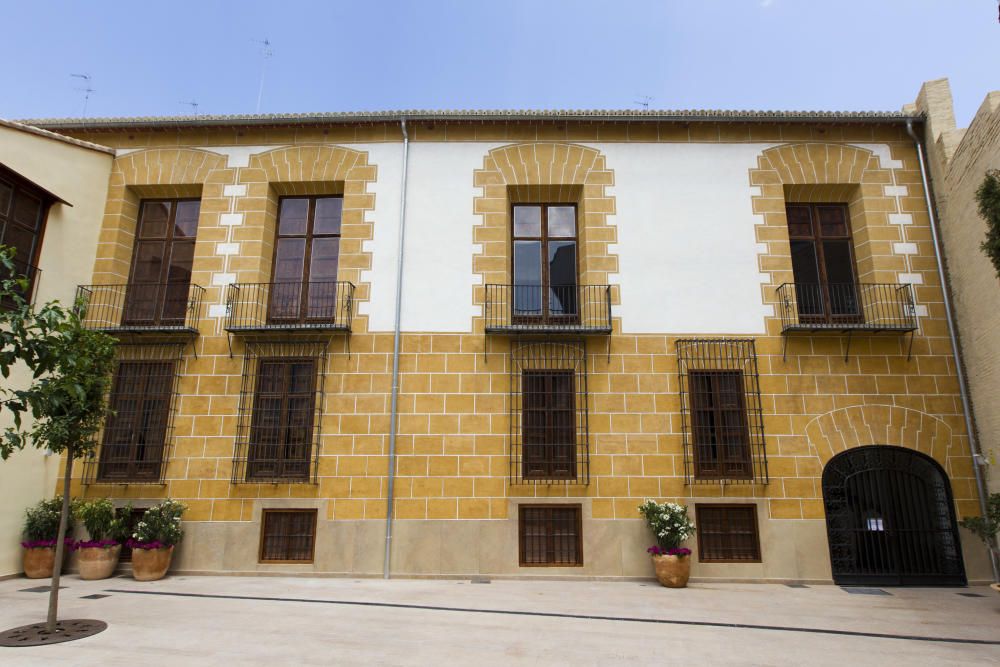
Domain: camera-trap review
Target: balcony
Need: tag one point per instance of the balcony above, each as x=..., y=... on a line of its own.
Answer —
x=141, y=308
x=289, y=307
x=526, y=309
x=846, y=308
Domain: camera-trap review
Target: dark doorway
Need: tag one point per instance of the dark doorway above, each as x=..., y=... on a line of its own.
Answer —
x=890, y=519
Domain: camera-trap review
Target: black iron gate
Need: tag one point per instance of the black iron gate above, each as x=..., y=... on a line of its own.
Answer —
x=890, y=519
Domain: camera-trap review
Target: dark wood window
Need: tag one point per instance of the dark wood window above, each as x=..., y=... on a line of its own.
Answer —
x=719, y=424
x=550, y=535
x=135, y=433
x=549, y=424
x=23, y=209
x=162, y=258
x=281, y=427
x=823, y=262
x=288, y=536
x=545, y=263
x=306, y=253
x=727, y=533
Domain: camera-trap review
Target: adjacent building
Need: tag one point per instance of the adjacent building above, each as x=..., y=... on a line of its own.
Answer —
x=510, y=328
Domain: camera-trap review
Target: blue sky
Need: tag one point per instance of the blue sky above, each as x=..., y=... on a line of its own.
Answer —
x=439, y=54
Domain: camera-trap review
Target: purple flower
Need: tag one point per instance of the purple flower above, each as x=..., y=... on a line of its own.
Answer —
x=155, y=544
x=92, y=544
x=657, y=550
x=679, y=551
x=45, y=544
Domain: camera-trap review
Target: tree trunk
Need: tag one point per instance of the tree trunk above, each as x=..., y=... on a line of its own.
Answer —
x=50, y=623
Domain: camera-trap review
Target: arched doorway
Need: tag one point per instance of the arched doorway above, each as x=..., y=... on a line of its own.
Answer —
x=890, y=519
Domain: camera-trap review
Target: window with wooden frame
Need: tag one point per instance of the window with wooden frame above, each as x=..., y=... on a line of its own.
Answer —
x=727, y=533
x=719, y=424
x=135, y=434
x=306, y=254
x=544, y=263
x=549, y=422
x=721, y=414
x=24, y=208
x=162, y=258
x=549, y=432
x=826, y=285
x=550, y=535
x=287, y=536
x=281, y=428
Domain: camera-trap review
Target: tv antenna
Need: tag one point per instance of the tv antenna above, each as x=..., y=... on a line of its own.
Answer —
x=266, y=54
x=193, y=105
x=644, y=101
x=86, y=89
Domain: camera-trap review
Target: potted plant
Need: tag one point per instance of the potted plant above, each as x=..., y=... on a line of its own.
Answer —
x=987, y=527
x=98, y=555
x=41, y=529
x=671, y=526
x=154, y=539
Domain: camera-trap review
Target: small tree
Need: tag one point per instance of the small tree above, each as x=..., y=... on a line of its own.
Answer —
x=986, y=527
x=988, y=198
x=71, y=370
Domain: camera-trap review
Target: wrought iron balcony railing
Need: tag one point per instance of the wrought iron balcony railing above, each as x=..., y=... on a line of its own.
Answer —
x=141, y=307
x=307, y=306
x=846, y=307
x=22, y=271
x=574, y=309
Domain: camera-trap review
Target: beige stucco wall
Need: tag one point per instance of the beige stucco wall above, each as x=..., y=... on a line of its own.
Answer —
x=959, y=159
x=78, y=175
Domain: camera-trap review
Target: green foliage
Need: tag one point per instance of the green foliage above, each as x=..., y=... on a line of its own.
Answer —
x=99, y=518
x=71, y=369
x=41, y=522
x=122, y=531
x=669, y=522
x=988, y=197
x=161, y=523
x=985, y=527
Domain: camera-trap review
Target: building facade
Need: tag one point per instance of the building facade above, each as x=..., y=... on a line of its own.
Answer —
x=959, y=160
x=739, y=311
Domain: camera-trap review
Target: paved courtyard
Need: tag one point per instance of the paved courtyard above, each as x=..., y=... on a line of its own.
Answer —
x=186, y=620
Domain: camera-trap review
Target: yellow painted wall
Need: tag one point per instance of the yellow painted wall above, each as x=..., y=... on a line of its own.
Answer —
x=80, y=176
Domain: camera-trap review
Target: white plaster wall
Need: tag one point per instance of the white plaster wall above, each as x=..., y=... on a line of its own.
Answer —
x=437, y=273
x=80, y=176
x=687, y=253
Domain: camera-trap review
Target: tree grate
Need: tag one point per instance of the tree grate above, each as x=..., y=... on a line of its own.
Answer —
x=66, y=631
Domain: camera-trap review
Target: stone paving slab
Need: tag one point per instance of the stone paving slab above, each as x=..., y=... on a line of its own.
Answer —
x=189, y=620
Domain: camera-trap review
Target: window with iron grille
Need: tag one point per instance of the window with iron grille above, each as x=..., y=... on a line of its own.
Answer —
x=550, y=535
x=137, y=432
x=549, y=423
x=288, y=536
x=721, y=411
x=279, y=421
x=727, y=533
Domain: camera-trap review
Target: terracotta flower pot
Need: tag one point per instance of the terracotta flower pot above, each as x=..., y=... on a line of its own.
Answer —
x=151, y=564
x=39, y=562
x=98, y=562
x=672, y=571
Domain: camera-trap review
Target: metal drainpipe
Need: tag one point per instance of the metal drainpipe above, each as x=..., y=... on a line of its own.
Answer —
x=963, y=388
x=394, y=406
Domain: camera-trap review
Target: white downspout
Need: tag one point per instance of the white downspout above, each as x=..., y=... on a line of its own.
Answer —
x=394, y=405
x=974, y=450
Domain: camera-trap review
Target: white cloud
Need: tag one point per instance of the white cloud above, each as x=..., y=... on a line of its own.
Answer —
x=764, y=4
